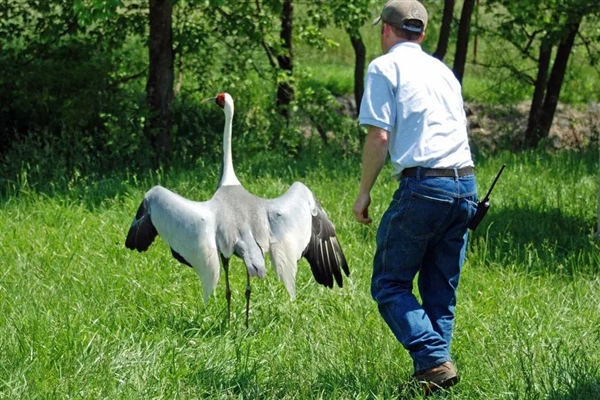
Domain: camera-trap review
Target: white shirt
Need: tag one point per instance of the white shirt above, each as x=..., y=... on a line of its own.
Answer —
x=418, y=100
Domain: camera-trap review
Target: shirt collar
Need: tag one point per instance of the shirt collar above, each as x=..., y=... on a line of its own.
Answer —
x=406, y=45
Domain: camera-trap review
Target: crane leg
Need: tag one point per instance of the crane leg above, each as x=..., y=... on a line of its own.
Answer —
x=227, y=288
x=248, y=291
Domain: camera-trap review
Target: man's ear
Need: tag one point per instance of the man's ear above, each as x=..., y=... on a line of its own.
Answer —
x=386, y=29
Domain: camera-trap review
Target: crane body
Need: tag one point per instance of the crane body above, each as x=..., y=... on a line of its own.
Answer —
x=236, y=222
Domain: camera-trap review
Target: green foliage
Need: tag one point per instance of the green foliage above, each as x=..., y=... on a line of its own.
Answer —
x=320, y=109
x=64, y=105
x=501, y=89
x=524, y=27
x=67, y=121
x=72, y=87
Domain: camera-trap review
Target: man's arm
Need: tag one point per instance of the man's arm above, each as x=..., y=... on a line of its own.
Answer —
x=375, y=152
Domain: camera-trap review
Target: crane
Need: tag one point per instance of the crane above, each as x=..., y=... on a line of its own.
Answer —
x=236, y=222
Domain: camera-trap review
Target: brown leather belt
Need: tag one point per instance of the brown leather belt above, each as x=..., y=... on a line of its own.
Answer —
x=437, y=172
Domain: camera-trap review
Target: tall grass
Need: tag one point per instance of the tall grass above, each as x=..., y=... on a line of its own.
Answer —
x=83, y=317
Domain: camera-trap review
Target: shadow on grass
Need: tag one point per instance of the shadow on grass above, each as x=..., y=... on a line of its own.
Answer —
x=197, y=181
x=582, y=390
x=521, y=234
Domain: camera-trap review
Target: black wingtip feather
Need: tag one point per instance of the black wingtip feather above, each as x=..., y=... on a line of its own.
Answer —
x=342, y=259
x=180, y=258
x=324, y=254
x=331, y=263
x=334, y=264
x=142, y=232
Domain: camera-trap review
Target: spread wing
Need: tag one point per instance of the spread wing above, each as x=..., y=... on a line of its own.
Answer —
x=300, y=227
x=188, y=228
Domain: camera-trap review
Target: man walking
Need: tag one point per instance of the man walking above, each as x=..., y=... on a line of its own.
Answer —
x=413, y=109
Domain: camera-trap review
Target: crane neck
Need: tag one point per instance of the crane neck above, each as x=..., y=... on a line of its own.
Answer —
x=228, y=177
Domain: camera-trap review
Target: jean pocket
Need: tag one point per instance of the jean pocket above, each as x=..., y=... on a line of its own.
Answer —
x=425, y=214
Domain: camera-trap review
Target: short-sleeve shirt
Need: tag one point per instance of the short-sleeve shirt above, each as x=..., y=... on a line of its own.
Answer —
x=418, y=100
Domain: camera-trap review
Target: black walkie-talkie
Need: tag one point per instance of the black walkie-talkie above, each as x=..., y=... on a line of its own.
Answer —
x=484, y=205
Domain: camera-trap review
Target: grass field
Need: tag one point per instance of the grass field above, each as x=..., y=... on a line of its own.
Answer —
x=82, y=317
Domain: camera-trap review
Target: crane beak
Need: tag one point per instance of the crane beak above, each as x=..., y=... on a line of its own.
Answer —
x=209, y=99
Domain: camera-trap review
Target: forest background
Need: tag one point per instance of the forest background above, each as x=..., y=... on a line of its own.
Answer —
x=91, y=86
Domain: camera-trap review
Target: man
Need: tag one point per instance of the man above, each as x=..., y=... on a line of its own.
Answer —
x=413, y=109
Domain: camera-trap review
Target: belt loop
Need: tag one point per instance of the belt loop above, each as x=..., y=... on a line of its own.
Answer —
x=456, y=174
x=418, y=173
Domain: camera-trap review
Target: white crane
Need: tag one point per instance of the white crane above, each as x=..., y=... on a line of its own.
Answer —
x=235, y=221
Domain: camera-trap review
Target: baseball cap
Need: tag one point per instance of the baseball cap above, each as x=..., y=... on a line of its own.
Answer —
x=398, y=13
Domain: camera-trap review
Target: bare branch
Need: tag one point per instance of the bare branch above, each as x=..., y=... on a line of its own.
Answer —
x=268, y=49
x=126, y=79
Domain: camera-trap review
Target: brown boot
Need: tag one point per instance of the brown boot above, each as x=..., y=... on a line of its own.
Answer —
x=439, y=377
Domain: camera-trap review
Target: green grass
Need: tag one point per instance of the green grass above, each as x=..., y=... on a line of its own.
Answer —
x=83, y=317
x=337, y=79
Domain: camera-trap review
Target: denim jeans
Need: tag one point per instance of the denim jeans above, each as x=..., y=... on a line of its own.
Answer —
x=424, y=230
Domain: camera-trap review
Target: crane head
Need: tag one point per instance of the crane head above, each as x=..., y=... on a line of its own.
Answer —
x=225, y=101
x=220, y=100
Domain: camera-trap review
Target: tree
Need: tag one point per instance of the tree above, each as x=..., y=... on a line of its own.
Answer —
x=159, y=87
x=63, y=68
x=557, y=76
x=442, y=46
x=285, y=59
x=350, y=16
x=462, y=40
x=360, y=53
x=551, y=26
x=532, y=136
x=250, y=26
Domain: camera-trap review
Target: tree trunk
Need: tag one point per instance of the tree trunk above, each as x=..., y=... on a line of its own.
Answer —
x=360, y=54
x=159, y=87
x=462, y=40
x=557, y=77
x=442, y=45
x=285, y=91
x=532, y=134
x=597, y=233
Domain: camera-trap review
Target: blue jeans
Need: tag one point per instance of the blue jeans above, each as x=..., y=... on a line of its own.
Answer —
x=424, y=230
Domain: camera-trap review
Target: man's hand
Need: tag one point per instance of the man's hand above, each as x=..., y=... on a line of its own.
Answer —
x=361, y=208
x=375, y=153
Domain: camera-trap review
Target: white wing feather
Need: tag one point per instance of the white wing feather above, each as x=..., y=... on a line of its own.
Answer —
x=290, y=225
x=188, y=227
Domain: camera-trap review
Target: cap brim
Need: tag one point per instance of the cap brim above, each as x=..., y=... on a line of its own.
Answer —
x=376, y=20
